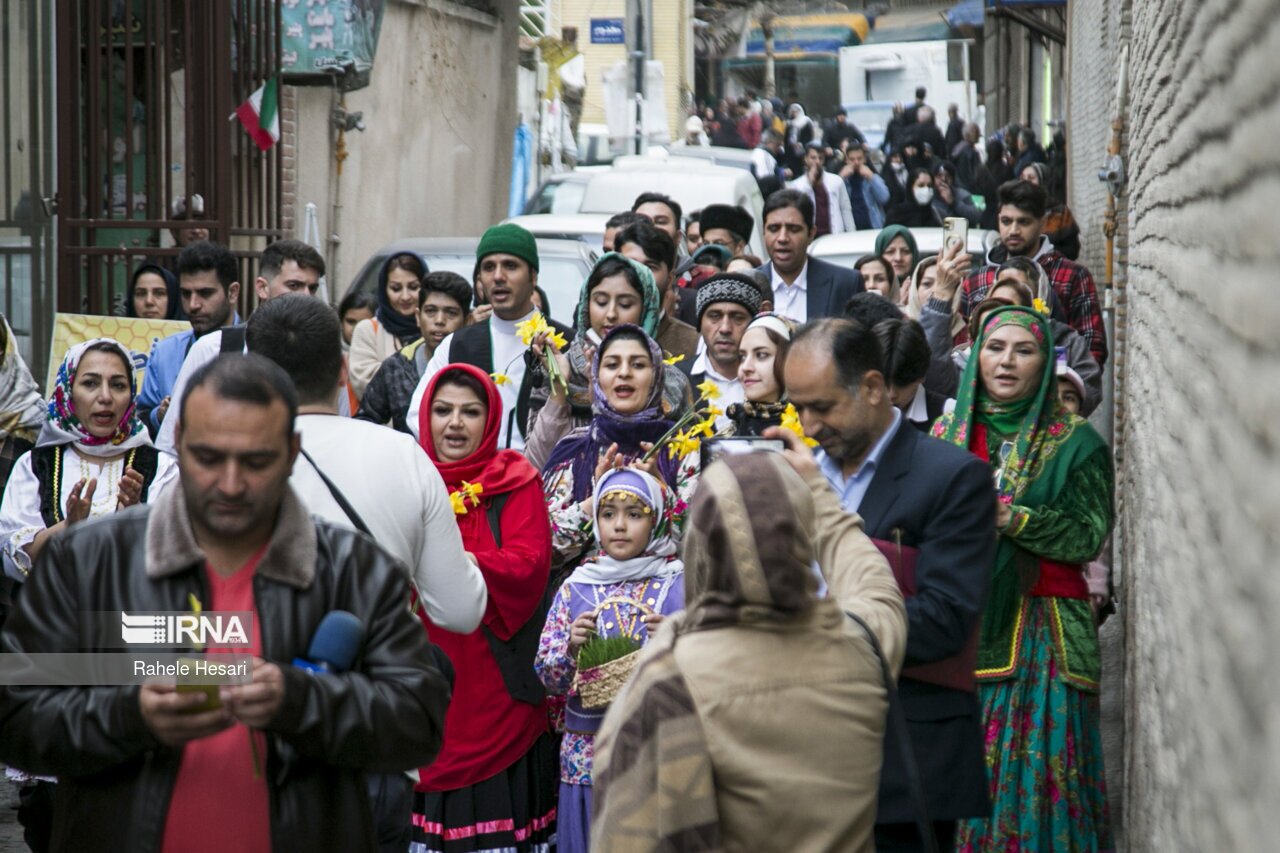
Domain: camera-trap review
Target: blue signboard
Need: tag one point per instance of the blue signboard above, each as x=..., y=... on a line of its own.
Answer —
x=607, y=31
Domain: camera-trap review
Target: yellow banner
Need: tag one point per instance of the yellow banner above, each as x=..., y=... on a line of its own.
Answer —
x=137, y=335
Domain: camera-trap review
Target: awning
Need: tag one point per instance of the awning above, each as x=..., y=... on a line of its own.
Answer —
x=797, y=34
x=966, y=13
x=916, y=23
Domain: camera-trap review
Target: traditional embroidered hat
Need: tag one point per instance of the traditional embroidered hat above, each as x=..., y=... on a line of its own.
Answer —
x=729, y=287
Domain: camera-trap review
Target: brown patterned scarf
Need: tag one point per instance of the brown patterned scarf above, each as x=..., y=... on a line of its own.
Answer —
x=748, y=557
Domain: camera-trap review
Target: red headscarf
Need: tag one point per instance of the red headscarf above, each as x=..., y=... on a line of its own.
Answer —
x=498, y=471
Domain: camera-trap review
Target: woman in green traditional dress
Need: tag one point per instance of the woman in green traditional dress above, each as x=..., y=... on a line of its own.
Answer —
x=1038, y=660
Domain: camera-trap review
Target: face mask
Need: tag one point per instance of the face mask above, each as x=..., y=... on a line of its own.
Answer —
x=924, y=195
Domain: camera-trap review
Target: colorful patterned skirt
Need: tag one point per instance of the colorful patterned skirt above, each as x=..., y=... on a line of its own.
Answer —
x=1044, y=758
x=512, y=812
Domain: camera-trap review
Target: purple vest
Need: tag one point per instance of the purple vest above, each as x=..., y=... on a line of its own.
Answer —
x=663, y=595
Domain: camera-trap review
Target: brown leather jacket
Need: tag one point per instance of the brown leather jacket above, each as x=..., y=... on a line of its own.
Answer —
x=116, y=779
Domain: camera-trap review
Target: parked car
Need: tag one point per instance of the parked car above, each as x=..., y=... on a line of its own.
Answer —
x=559, y=193
x=715, y=155
x=845, y=249
x=564, y=266
x=692, y=183
x=587, y=227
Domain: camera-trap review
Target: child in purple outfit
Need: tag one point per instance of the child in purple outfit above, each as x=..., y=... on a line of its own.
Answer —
x=636, y=562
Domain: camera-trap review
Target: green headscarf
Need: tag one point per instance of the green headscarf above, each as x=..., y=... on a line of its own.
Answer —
x=1047, y=444
x=886, y=236
x=650, y=299
x=1026, y=420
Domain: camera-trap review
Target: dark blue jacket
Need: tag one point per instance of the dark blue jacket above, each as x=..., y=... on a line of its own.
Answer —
x=828, y=289
x=942, y=500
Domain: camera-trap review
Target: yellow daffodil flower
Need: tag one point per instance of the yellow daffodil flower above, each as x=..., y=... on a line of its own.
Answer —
x=681, y=445
x=557, y=340
x=500, y=378
x=791, y=421
x=531, y=328
x=1040, y=306
x=672, y=361
x=472, y=492
x=709, y=390
x=468, y=492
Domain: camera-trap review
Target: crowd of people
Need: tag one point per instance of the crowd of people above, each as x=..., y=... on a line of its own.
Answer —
x=920, y=175
x=759, y=553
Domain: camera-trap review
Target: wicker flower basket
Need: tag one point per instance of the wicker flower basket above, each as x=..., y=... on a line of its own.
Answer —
x=597, y=686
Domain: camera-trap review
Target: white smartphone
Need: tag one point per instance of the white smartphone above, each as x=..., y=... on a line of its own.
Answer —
x=955, y=230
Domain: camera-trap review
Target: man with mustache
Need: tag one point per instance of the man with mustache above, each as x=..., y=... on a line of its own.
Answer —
x=287, y=751
x=726, y=304
x=507, y=265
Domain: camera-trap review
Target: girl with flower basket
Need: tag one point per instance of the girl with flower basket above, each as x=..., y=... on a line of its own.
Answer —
x=602, y=615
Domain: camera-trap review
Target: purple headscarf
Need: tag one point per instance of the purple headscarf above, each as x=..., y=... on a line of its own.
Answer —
x=582, y=447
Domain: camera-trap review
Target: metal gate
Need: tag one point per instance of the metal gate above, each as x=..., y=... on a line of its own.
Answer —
x=26, y=176
x=146, y=89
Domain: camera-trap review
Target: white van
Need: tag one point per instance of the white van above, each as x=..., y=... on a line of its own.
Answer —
x=891, y=71
x=691, y=183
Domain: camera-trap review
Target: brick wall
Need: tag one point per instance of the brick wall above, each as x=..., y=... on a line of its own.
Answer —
x=1198, y=405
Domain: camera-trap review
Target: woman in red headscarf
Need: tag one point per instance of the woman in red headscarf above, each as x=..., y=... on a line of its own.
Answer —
x=494, y=783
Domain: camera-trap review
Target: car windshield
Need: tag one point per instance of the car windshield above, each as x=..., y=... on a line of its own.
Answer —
x=558, y=197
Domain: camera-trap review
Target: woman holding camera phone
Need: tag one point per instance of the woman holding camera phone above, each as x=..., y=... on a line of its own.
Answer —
x=763, y=349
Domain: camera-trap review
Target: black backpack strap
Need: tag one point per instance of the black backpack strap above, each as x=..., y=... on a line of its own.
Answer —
x=515, y=656
x=897, y=718
x=232, y=340
x=339, y=497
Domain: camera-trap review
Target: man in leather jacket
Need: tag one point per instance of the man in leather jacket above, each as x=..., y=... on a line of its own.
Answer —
x=142, y=768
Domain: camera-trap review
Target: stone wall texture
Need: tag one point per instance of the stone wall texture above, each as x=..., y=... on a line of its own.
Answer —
x=1197, y=404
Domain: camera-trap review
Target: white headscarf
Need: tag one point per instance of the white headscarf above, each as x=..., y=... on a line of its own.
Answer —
x=62, y=426
x=658, y=559
x=21, y=406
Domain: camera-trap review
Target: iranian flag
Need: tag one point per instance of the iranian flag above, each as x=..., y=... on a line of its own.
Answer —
x=260, y=116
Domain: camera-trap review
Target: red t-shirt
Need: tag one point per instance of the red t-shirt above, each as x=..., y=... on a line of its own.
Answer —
x=217, y=803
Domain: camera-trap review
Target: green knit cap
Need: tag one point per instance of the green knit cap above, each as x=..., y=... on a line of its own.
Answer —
x=509, y=239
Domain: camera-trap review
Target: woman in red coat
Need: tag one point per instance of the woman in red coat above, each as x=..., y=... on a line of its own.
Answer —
x=494, y=784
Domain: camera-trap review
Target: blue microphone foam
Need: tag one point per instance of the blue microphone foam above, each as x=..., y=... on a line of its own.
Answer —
x=337, y=640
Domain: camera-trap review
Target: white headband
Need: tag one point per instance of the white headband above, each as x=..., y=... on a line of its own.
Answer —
x=769, y=321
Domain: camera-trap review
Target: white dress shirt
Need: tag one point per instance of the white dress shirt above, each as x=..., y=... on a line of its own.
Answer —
x=508, y=359
x=791, y=300
x=853, y=489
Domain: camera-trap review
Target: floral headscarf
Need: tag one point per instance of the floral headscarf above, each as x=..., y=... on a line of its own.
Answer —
x=1027, y=420
x=62, y=426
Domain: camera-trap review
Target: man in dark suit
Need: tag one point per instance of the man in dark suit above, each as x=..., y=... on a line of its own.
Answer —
x=915, y=492
x=804, y=288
